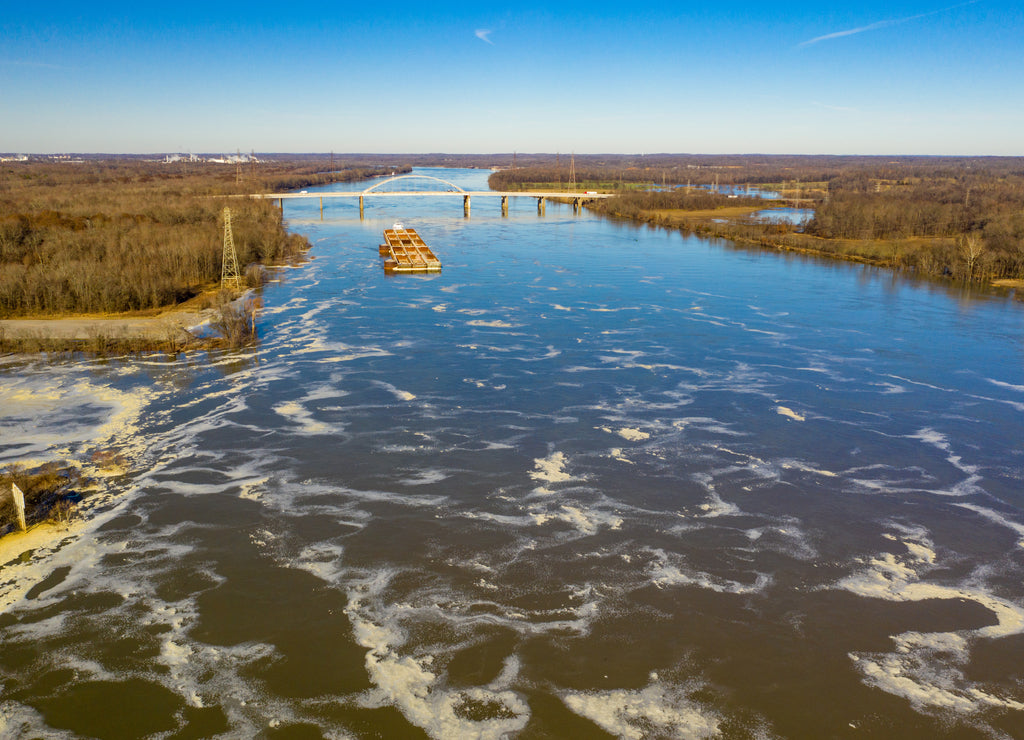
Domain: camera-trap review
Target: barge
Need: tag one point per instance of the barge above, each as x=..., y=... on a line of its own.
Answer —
x=404, y=250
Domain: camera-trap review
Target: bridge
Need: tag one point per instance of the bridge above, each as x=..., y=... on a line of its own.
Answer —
x=451, y=191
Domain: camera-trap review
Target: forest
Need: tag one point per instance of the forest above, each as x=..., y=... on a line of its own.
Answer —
x=114, y=235
x=953, y=217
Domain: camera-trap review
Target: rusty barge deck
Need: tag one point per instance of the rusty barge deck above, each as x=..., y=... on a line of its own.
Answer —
x=404, y=251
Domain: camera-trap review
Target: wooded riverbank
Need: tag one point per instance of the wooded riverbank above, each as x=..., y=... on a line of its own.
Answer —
x=939, y=217
x=112, y=242
x=121, y=235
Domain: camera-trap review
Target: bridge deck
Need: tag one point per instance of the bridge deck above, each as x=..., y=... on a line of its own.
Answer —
x=448, y=193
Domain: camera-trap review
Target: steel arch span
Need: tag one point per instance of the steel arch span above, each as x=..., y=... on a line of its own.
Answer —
x=411, y=177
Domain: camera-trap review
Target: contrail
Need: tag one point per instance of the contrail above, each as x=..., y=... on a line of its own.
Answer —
x=882, y=24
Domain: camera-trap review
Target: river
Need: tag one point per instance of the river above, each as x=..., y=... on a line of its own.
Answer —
x=594, y=479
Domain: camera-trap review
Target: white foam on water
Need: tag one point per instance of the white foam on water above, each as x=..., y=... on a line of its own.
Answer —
x=21, y=721
x=340, y=352
x=250, y=479
x=939, y=441
x=75, y=548
x=301, y=417
x=323, y=560
x=889, y=389
x=200, y=674
x=1000, y=519
x=921, y=383
x=410, y=681
x=715, y=506
x=785, y=538
x=47, y=415
x=493, y=324
x=669, y=569
x=424, y=477
x=659, y=710
x=585, y=520
x=789, y=464
x=790, y=413
x=616, y=454
x=927, y=669
x=628, y=433
x=706, y=424
x=397, y=393
x=1010, y=386
x=551, y=469
x=253, y=490
x=510, y=668
x=628, y=359
x=485, y=384
x=346, y=497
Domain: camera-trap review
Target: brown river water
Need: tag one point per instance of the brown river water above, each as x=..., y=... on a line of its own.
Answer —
x=593, y=480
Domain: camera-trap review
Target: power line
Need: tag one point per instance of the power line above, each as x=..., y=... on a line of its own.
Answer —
x=229, y=275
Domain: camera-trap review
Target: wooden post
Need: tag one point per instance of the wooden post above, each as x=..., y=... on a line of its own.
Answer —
x=465, y=205
x=504, y=205
x=360, y=208
x=19, y=505
x=540, y=206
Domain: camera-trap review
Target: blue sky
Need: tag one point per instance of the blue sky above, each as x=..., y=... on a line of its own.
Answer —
x=800, y=77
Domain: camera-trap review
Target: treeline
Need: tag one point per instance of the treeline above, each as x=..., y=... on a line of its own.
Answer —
x=111, y=236
x=863, y=208
x=960, y=217
x=975, y=221
x=634, y=204
x=789, y=171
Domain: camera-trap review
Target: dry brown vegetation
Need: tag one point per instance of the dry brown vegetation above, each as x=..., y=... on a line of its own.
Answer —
x=49, y=494
x=119, y=235
x=952, y=217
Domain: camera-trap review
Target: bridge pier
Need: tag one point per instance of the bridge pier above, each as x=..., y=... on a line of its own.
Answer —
x=465, y=205
x=504, y=205
x=360, y=208
x=540, y=206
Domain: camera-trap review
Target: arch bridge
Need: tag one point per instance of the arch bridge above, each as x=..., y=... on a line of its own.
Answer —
x=452, y=190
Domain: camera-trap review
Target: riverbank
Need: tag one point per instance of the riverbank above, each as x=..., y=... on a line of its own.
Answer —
x=15, y=544
x=173, y=326
x=173, y=329
x=109, y=237
x=50, y=492
x=951, y=219
x=922, y=255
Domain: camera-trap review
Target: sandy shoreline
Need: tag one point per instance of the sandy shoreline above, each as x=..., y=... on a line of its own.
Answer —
x=44, y=534
x=172, y=324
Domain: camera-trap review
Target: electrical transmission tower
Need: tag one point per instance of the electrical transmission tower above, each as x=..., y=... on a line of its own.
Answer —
x=572, y=173
x=229, y=275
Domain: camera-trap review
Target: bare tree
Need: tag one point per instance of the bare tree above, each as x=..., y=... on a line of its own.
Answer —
x=971, y=248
